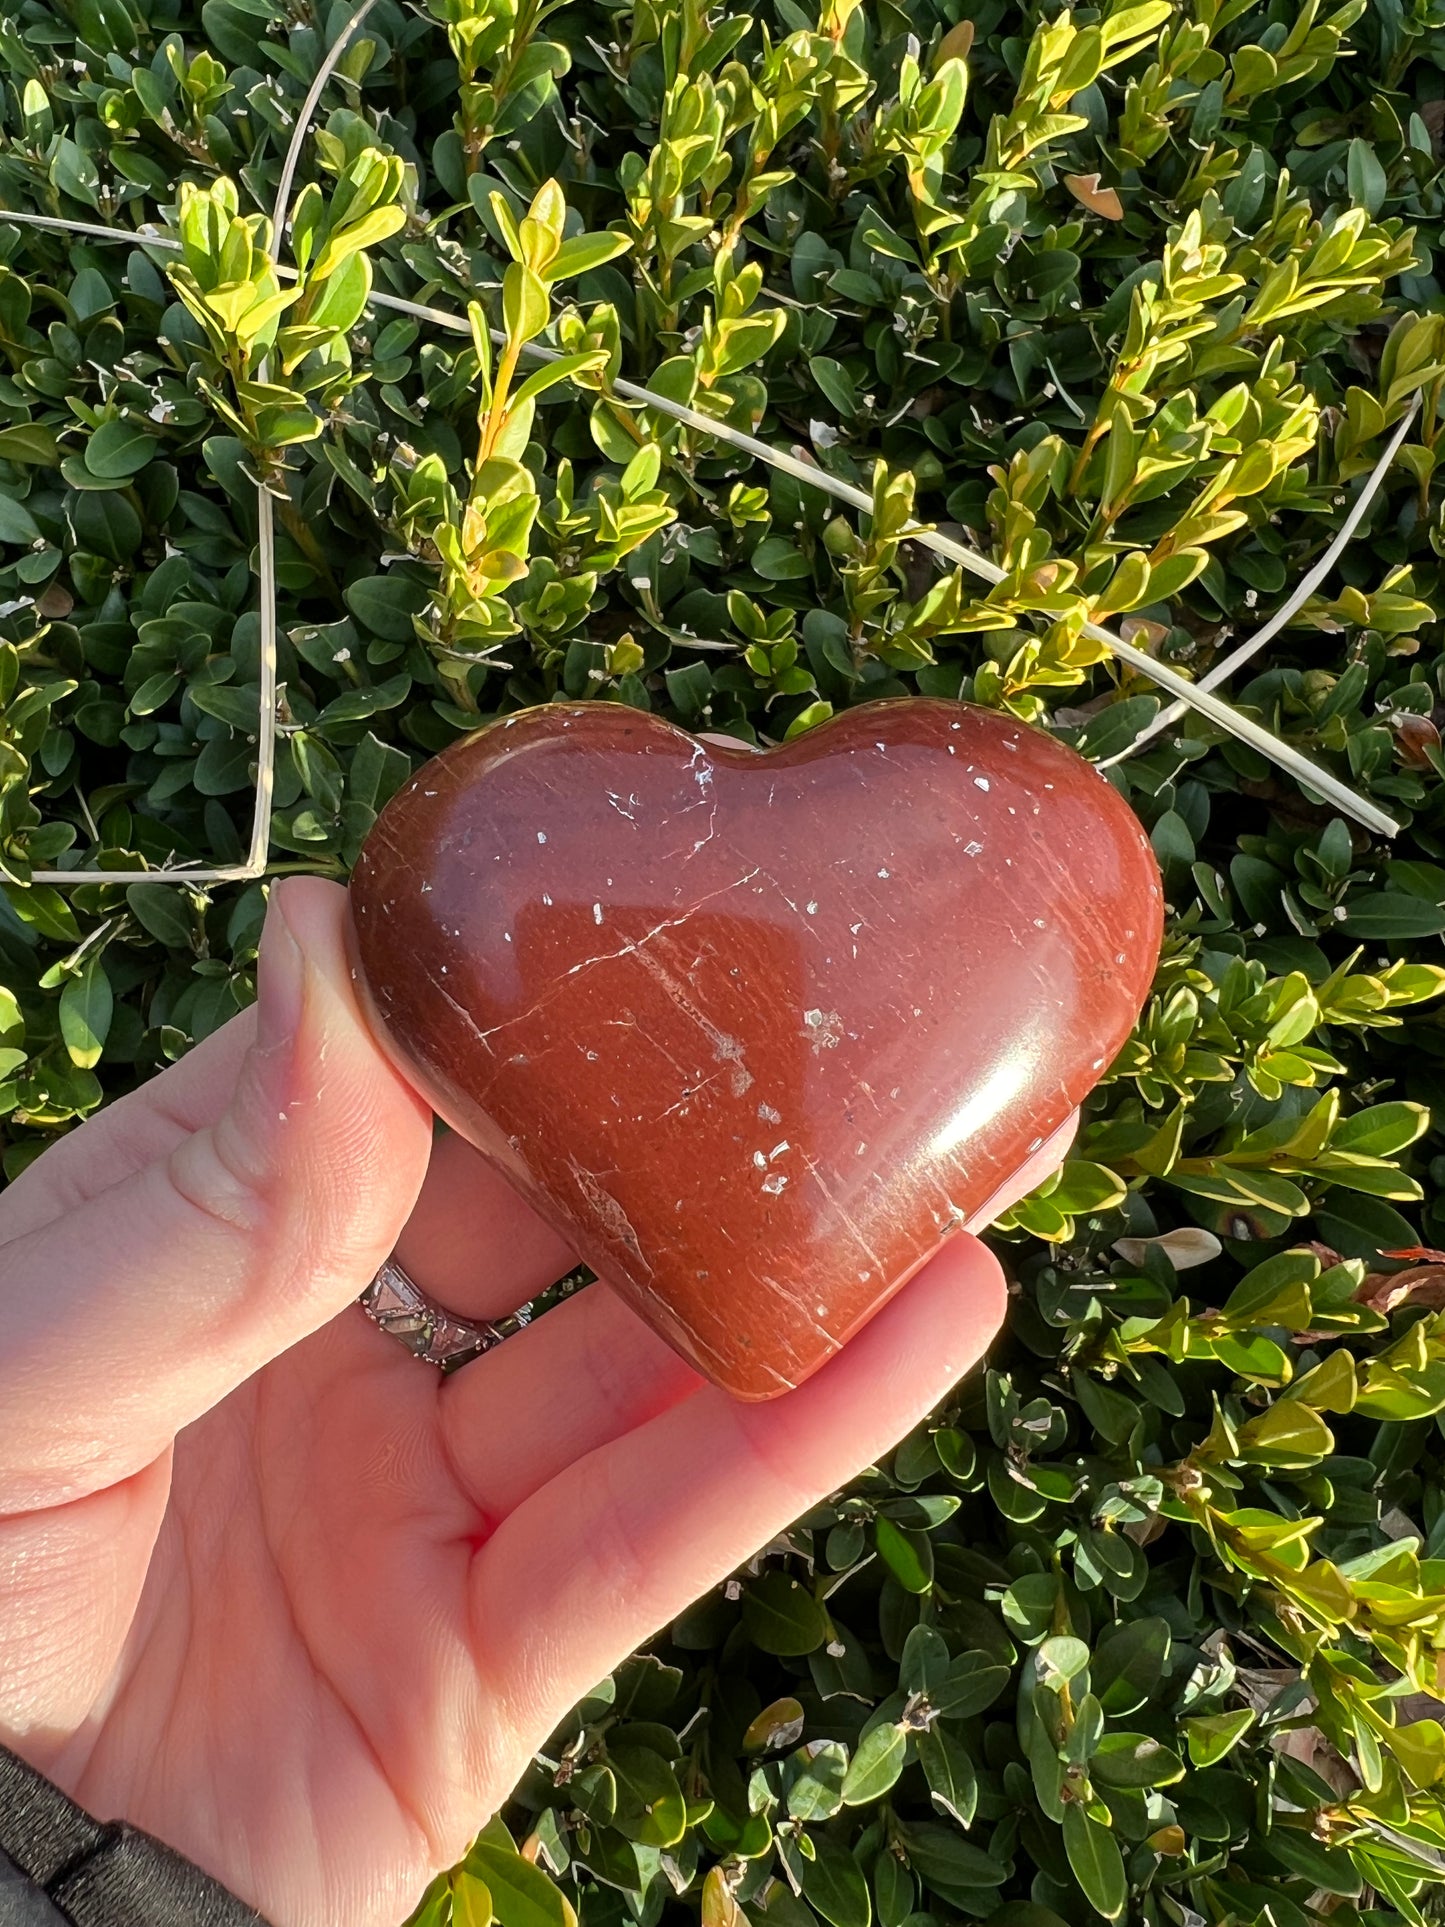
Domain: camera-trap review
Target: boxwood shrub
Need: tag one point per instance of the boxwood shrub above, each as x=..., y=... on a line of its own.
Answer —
x=1148, y=1620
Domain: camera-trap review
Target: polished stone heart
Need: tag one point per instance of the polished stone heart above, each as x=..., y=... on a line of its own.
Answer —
x=757, y=1032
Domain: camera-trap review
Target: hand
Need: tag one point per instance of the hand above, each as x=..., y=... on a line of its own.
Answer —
x=275, y=1591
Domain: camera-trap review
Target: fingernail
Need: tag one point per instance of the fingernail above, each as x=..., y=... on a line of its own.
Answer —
x=281, y=979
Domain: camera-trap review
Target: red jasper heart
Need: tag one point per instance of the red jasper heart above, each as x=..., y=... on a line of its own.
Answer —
x=757, y=1032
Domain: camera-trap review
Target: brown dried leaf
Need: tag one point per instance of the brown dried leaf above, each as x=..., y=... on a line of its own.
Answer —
x=1396, y=1524
x=1260, y=1686
x=1145, y=1531
x=1415, y=737
x=1078, y=714
x=56, y=603
x=1103, y=201
x=719, y=1909
x=1422, y=1285
x=777, y=1725
x=1312, y=1749
x=1184, y=1248
x=955, y=44
x=1143, y=633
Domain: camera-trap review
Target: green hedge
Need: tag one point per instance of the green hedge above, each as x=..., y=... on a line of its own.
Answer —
x=1150, y=1618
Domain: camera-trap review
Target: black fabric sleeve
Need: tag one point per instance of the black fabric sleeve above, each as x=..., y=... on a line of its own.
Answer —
x=61, y=1868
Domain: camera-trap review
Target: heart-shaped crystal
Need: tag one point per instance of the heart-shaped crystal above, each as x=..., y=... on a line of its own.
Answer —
x=757, y=1032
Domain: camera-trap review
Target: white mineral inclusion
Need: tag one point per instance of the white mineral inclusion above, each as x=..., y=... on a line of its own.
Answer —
x=822, y=1028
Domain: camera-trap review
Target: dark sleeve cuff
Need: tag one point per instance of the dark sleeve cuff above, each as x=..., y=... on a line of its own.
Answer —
x=61, y=1868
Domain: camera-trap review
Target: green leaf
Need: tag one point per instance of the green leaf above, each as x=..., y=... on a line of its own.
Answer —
x=1326, y=1869
x=837, y=384
x=356, y=705
x=471, y=1901
x=1381, y=1131
x=343, y=296
x=1368, y=182
x=1288, y=1433
x=650, y=1806
x=908, y=1555
x=1390, y=916
x=781, y=1616
x=385, y=604
x=1134, y=1760
x=30, y=442
x=551, y=374
x=1252, y=1356
x=584, y=252
x=1275, y=1292
x=164, y=912
x=525, y=307
x=943, y=1860
x=1081, y=1188
x=876, y=1764
x=86, y=1007
x=1097, y=1863
x=834, y=1886
x=1211, y=1736
x=17, y=525
x=521, y=1894
x=817, y=1792
x=949, y=1771
x=1128, y=1665
x=894, y=1892
x=105, y=523
x=972, y=1683
x=117, y=450
x=777, y=560
x=1062, y=1658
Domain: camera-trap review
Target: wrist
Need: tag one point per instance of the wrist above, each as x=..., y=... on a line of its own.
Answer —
x=69, y=1869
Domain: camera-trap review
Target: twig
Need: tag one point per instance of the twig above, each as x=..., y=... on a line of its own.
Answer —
x=1284, y=615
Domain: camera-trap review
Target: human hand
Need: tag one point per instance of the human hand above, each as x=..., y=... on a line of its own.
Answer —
x=271, y=1589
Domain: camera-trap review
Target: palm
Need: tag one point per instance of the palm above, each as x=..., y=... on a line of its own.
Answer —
x=313, y=1642
x=306, y=1610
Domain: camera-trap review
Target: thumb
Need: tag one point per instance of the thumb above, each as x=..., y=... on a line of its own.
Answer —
x=169, y=1288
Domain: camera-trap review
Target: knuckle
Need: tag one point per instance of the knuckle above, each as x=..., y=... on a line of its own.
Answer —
x=210, y=1173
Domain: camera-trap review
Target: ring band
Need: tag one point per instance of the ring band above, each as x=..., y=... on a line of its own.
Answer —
x=394, y=1301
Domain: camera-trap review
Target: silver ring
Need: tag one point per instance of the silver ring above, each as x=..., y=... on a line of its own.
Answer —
x=396, y=1302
